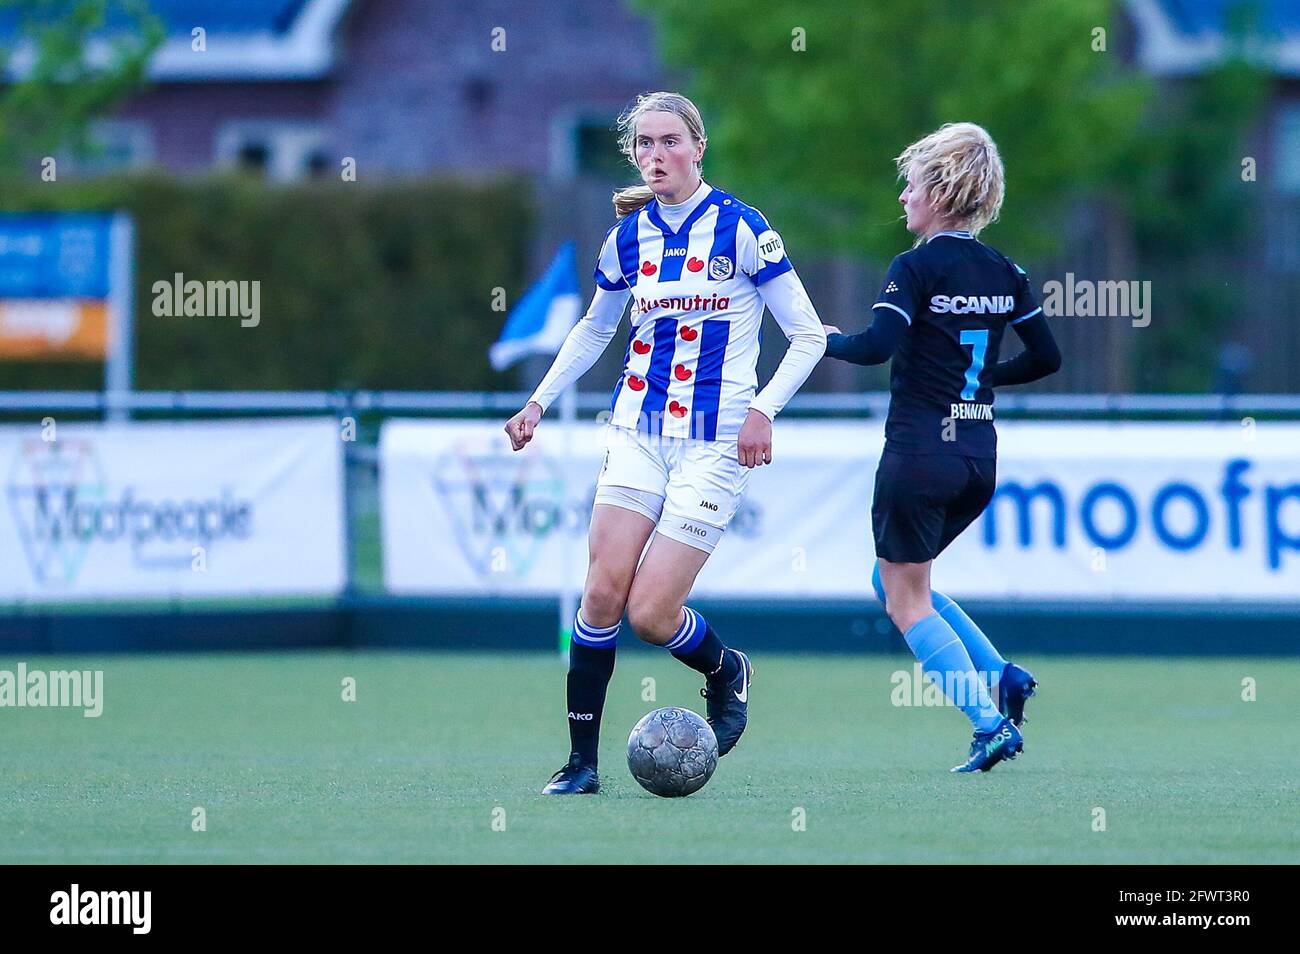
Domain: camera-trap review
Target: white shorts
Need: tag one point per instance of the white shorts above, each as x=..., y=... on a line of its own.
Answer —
x=690, y=488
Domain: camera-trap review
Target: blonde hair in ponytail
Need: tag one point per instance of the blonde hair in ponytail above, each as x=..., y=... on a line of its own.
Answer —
x=633, y=198
x=959, y=166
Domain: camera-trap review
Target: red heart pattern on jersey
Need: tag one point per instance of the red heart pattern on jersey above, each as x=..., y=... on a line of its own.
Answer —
x=641, y=347
x=649, y=268
x=683, y=373
x=635, y=383
x=676, y=410
x=694, y=264
x=689, y=334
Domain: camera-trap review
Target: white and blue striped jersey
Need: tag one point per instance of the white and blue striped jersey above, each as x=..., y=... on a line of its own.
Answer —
x=690, y=366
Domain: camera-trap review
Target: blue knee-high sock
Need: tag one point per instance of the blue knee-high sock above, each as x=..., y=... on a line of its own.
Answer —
x=945, y=661
x=591, y=664
x=983, y=654
x=696, y=644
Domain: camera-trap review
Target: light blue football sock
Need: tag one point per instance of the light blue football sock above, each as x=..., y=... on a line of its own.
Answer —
x=946, y=663
x=983, y=654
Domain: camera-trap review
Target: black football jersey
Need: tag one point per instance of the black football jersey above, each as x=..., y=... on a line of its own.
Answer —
x=958, y=296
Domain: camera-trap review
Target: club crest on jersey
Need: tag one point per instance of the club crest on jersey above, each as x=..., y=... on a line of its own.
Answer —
x=720, y=267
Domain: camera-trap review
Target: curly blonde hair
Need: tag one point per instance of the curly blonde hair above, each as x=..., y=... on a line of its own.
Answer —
x=959, y=167
x=632, y=198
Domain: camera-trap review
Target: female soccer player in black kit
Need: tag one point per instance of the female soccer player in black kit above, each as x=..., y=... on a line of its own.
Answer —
x=941, y=316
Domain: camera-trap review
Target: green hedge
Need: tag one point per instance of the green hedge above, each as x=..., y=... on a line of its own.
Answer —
x=366, y=287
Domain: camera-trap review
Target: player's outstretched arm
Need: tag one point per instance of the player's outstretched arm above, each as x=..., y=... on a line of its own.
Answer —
x=876, y=345
x=1040, y=358
x=788, y=301
x=585, y=343
x=790, y=305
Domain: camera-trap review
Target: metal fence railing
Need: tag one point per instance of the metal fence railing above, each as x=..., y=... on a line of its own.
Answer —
x=458, y=403
x=361, y=457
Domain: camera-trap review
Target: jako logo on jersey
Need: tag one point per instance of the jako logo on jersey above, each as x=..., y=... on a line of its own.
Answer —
x=972, y=304
x=698, y=303
x=720, y=267
x=581, y=716
x=674, y=252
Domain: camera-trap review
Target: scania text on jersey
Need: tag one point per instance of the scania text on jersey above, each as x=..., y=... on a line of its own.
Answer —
x=972, y=304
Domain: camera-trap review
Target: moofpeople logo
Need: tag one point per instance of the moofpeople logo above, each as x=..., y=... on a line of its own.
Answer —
x=44, y=478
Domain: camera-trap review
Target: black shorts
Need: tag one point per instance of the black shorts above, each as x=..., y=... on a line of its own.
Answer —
x=923, y=501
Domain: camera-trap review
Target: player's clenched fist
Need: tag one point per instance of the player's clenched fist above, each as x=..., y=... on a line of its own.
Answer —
x=754, y=446
x=520, y=427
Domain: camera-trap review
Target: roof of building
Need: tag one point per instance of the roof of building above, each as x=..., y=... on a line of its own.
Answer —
x=1184, y=37
x=1194, y=17
x=242, y=39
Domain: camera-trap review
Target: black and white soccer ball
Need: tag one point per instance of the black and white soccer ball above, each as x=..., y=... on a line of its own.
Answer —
x=672, y=752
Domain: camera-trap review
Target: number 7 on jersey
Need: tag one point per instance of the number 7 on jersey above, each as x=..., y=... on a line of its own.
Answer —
x=979, y=342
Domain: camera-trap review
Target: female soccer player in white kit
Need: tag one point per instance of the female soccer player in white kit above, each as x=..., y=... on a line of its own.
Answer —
x=686, y=424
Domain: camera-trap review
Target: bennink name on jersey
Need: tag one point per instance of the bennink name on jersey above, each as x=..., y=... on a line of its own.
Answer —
x=969, y=411
x=972, y=304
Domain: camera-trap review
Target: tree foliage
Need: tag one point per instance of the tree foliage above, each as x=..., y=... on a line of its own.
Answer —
x=69, y=62
x=811, y=134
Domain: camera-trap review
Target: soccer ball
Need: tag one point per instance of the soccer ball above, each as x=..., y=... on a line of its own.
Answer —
x=672, y=752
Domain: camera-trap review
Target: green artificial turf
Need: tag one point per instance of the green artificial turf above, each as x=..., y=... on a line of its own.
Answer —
x=439, y=745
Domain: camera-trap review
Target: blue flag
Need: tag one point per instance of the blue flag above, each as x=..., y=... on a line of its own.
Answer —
x=544, y=316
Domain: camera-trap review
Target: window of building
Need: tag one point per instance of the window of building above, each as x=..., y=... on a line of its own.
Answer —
x=587, y=146
x=279, y=151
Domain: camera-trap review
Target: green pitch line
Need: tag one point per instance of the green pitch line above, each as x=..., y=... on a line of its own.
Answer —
x=439, y=745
